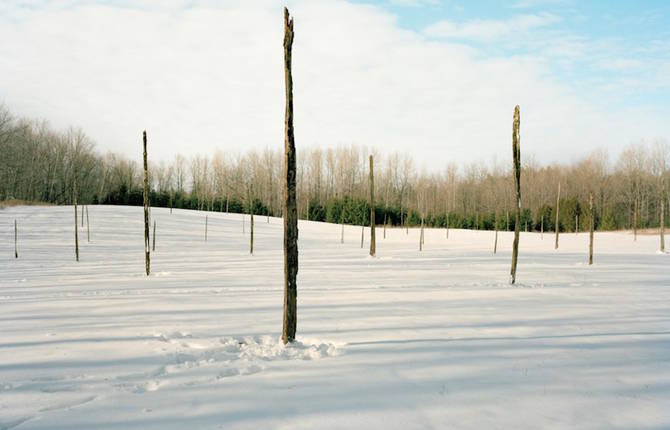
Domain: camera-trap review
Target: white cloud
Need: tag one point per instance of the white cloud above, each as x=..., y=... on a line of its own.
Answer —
x=488, y=29
x=210, y=76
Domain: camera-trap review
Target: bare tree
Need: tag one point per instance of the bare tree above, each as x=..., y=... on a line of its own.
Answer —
x=290, y=208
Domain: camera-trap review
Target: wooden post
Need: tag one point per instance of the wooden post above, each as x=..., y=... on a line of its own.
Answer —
x=495, y=240
x=76, y=229
x=362, y=234
x=88, y=227
x=147, y=259
x=290, y=208
x=635, y=221
x=447, y=225
x=16, y=238
x=251, y=220
x=421, y=235
x=516, y=154
x=591, y=227
x=558, y=199
x=662, y=226
x=373, y=241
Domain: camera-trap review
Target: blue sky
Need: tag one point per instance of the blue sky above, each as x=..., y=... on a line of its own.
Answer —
x=604, y=44
x=437, y=79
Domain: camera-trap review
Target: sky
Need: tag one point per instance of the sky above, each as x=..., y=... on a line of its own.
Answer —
x=437, y=79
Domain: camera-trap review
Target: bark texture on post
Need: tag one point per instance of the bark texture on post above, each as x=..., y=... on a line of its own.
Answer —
x=76, y=229
x=147, y=262
x=558, y=199
x=516, y=155
x=88, y=227
x=591, y=227
x=373, y=242
x=153, y=238
x=662, y=230
x=16, y=238
x=290, y=207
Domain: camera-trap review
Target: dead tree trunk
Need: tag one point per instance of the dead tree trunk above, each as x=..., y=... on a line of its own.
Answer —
x=558, y=199
x=591, y=227
x=153, y=238
x=16, y=238
x=516, y=154
x=290, y=208
x=147, y=251
x=373, y=241
x=662, y=228
x=88, y=227
x=76, y=227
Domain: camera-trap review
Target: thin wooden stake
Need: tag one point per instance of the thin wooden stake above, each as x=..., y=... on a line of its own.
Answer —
x=76, y=226
x=16, y=238
x=153, y=238
x=373, y=241
x=591, y=227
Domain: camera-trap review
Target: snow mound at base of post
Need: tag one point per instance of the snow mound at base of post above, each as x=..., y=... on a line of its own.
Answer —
x=270, y=348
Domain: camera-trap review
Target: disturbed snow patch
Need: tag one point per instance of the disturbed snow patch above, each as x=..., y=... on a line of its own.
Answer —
x=268, y=348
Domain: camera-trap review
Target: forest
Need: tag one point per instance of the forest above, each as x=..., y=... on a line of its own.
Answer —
x=39, y=163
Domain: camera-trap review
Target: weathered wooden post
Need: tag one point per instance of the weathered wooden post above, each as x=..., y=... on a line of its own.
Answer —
x=147, y=251
x=16, y=238
x=88, y=227
x=516, y=154
x=495, y=240
x=290, y=208
x=635, y=221
x=558, y=199
x=251, y=220
x=421, y=235
x=76, y=227
x=373, y=242
x=662, y=227
x=591, y=227
x=153, y=238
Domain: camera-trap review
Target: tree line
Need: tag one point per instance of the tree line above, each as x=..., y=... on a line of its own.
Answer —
x=38, y=163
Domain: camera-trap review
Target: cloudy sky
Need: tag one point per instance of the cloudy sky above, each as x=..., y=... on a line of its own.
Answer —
x=434, y=78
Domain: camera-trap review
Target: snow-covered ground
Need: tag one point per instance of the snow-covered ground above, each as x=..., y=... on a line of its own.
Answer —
x=407, y=340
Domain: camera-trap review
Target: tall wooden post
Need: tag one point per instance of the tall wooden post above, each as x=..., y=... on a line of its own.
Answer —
x=373, y=242
x=251, y=220
x=88, y=227
x=516, y=155
x=591, y=227
x=147, y=262
x=16, y=238
x=662, y=227
x=76, y=227
x=290, y=208
x=558, y=200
